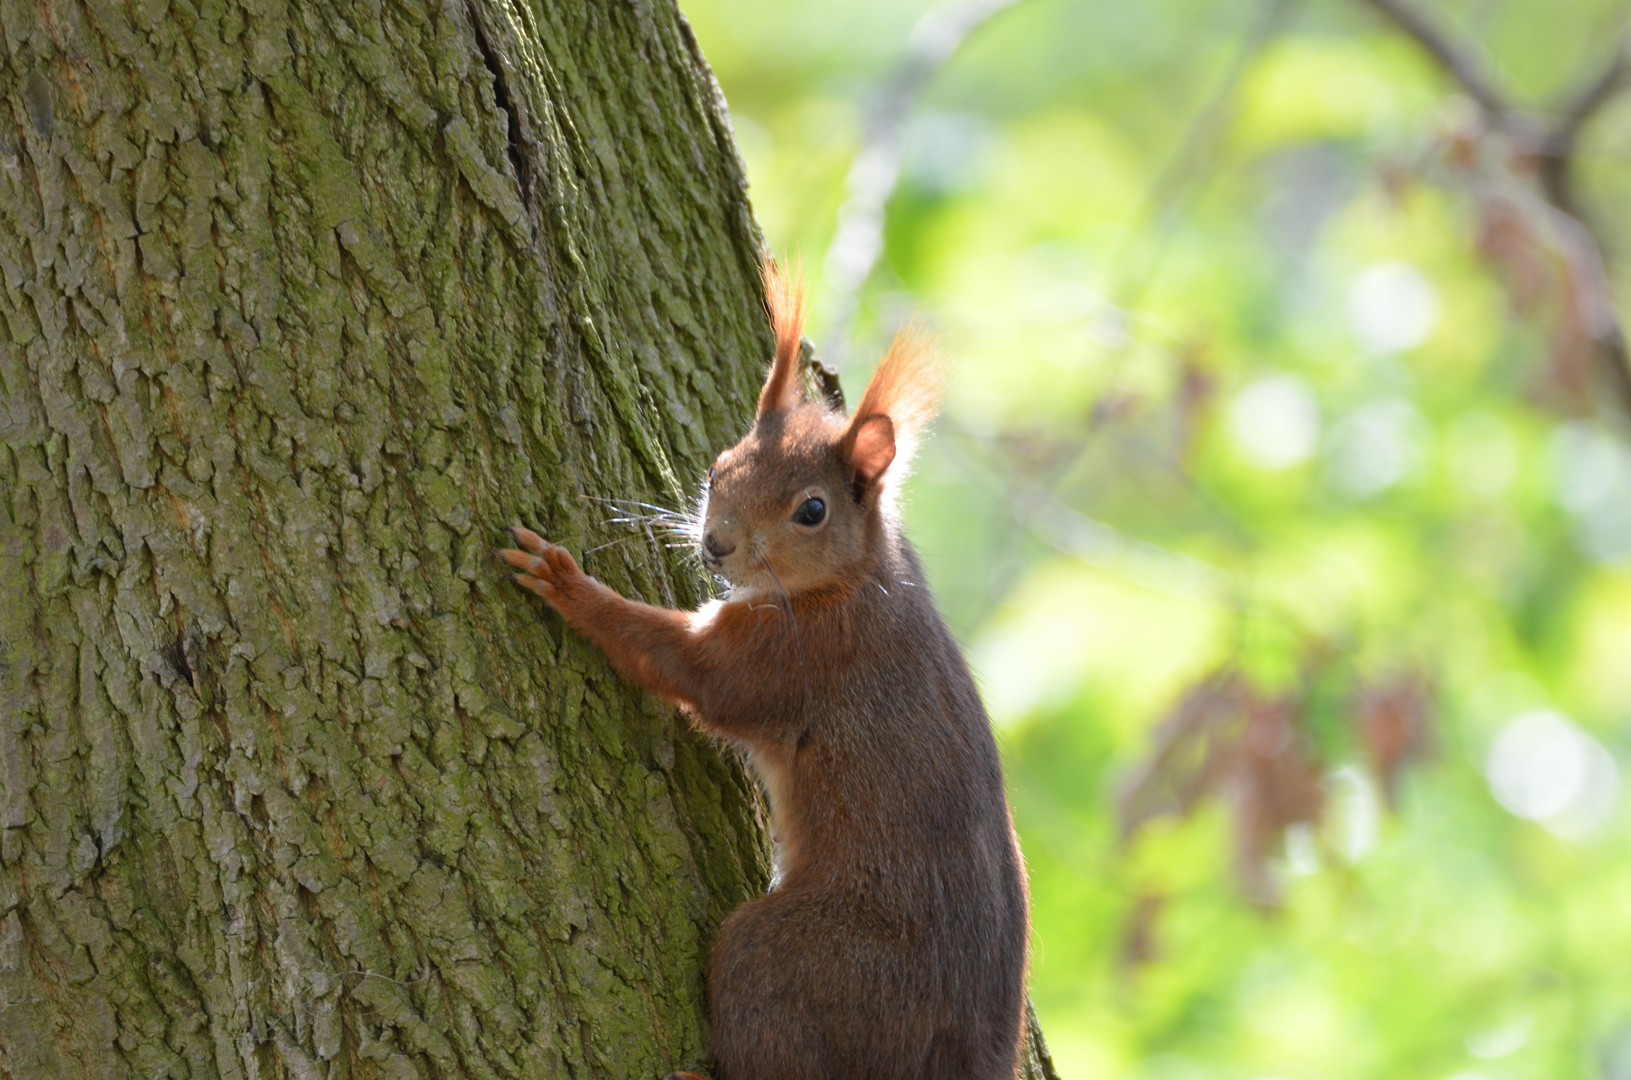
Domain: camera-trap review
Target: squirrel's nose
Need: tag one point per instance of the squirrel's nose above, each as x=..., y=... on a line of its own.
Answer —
x=717, y=547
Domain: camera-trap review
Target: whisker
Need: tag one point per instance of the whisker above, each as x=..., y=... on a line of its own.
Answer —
x=665, y=522
x=787, y=606
x=674, y=530
x=624, y=503
x=601, y=547
x=671, y=521
x=672, y=515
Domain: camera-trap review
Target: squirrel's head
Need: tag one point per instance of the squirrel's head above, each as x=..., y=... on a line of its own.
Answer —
x=804, y=499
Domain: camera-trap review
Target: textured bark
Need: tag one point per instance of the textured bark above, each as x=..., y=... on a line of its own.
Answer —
x=300, y=304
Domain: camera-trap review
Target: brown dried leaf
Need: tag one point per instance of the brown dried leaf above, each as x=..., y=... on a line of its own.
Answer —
x=1277, y=785
x=1197, y=388
x=1138, y=945
x=1394, y=717
x=1574, y=347
x=1508, y=240
x=1192, y=754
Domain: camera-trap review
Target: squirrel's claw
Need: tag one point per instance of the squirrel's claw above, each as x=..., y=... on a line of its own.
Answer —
x=521, y=560
x=543, y=565
x=543, y=588
x=529, y=539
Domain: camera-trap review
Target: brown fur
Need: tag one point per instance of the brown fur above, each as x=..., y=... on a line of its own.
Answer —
x=892, y=945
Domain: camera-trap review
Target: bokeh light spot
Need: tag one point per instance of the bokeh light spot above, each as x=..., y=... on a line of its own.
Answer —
x=1275, y=422
x=1543, y=768
x=1392, y=307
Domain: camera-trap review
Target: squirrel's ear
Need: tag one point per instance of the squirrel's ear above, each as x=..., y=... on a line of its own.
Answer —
x=873, y=449
x=898, y=404
x=784, y=300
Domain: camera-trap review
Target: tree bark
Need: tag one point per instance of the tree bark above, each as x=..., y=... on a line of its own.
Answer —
x=300, y=304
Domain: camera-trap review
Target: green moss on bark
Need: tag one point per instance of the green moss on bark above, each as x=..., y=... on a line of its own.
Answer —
x=299, y=306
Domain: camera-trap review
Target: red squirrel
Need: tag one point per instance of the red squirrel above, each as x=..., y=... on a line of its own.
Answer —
x=892, y=943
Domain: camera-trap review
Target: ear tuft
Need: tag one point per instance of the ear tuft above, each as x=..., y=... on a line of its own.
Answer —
x=899, y=402
x=784, y=301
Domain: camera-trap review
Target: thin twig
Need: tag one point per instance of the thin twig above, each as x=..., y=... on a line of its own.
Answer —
x=1186, y=174
x=1040, y=512
x=875, y=171
x=1114, y=552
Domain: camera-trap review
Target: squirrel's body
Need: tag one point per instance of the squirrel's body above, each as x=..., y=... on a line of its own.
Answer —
x=893, y=942
x=900, y=892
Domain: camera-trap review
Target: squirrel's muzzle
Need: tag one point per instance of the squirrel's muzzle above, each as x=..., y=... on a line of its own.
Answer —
x=716, y=548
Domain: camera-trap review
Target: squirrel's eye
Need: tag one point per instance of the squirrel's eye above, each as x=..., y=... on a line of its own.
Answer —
x=810, y=511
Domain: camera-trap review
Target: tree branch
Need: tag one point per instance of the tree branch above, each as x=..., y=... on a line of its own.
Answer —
x=1558, y=147
x=1594, y=299
x=1584, y=103
x=1555, y=143
x=1035, y=1062
x=1462, y=65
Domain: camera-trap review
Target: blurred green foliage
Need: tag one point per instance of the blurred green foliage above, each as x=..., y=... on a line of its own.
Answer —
x=1263, y=362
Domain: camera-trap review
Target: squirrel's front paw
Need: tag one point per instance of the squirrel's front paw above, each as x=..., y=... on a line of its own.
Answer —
x=544, y=567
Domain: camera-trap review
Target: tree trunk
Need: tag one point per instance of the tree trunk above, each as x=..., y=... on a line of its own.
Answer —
x=300, y=304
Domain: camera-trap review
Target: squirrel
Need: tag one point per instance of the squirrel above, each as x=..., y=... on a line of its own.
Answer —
x=892, y=943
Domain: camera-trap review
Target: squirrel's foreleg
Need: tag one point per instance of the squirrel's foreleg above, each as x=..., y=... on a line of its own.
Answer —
x=656, y=647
